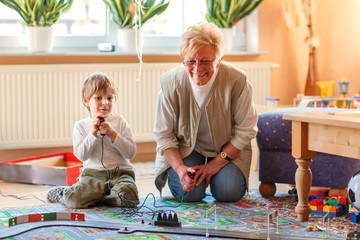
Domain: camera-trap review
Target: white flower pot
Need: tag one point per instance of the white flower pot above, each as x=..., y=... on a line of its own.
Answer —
x=228, y=39
x=40, y=39
x=252, y=34
x=130, y=40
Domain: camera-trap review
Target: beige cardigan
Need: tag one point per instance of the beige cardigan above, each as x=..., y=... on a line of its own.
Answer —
x=176, y=88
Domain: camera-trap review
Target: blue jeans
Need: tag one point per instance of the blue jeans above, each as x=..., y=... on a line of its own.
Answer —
x=228, y=185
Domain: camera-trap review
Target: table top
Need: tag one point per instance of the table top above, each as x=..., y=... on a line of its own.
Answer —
x=349, y=119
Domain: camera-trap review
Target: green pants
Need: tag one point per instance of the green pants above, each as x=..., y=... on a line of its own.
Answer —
x=94, y=187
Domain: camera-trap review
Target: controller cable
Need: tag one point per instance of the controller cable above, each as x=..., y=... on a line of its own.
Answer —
x=128, y=209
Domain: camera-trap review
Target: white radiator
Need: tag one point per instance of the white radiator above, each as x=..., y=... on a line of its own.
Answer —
x=39, y=104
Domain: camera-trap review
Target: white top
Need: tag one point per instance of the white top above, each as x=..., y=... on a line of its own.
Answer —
x=201, y=92
x=87, y=147
x=245, y=117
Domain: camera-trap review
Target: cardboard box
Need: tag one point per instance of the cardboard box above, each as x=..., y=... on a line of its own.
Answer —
x=53, y=169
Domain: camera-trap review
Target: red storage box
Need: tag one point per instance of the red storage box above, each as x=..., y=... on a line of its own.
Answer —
x=52, y=169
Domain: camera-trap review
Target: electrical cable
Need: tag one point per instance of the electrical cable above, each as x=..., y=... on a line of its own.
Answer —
x=26, y=197
x=128, y=209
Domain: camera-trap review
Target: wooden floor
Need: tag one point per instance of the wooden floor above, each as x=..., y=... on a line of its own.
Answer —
x=17, y=194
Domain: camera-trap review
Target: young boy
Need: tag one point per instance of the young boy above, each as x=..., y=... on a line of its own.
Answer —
x=104, y=143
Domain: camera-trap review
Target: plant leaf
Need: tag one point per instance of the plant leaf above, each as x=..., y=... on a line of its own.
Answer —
x=155, y=10
x=225, y=13
x=39, y=12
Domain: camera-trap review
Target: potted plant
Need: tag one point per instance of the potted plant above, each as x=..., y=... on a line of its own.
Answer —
x=226, y=13
x=129, y=15
x=38, y=16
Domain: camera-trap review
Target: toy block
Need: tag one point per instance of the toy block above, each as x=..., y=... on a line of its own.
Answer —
x=355, y=217
x=341, y=207
x=316, y=202
x=311, y=198
x=331, y=205
x=36, y=217
x=63, y=216
x=326, y=208
x=12, y=221
x=78, y=216
x=17, y=220
x=332, y=202
x=50, y=216
x=22, y=219
x=334, y=209
x=320, y=208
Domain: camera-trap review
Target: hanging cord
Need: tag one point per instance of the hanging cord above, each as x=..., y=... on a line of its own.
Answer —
x=138, y=35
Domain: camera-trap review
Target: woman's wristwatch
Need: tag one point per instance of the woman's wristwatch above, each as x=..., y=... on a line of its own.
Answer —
x=224, y=155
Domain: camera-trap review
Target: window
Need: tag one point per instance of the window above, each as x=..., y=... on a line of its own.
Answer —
x=84, y=18
x=88, y=23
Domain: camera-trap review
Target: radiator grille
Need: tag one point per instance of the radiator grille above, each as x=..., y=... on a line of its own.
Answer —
x=40, y=103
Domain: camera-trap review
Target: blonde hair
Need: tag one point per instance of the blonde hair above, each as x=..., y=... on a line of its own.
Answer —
x=200, y=35
x=97, y=82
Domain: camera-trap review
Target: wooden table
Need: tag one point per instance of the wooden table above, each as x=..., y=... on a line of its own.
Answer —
x=328, y=132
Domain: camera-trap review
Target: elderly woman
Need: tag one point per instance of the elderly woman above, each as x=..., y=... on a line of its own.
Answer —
x=205, y=120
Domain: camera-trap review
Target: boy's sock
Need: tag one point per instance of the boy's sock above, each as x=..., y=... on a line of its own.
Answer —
x=55, y=194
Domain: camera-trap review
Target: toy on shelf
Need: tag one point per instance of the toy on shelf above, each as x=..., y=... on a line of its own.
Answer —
x=357, y=99
x=343, y=90
x=326, y=88
x=326, y=100
x=272, y=102
x=329, y=102
x=343, y=87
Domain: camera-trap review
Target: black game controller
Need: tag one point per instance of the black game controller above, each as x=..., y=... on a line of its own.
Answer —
x=102, y=119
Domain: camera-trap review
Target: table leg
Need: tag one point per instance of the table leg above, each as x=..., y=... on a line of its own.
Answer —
x=303, y=180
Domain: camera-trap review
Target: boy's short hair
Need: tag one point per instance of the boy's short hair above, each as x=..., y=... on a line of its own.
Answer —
x=96, y=82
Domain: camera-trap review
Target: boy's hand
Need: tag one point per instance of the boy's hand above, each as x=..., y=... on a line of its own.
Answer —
x=95, y=126
x=106, y=129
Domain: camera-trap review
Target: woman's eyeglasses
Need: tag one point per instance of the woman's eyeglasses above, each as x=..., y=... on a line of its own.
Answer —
x=192, y=63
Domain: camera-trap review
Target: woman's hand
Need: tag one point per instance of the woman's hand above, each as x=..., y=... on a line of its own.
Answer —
x=206, y=171
x=188, y=183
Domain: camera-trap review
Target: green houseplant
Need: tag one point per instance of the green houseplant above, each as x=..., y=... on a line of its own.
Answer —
x=39, y=13
x=129, y=15
x=226, y=13
x=39, y=16
x=125, y=12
